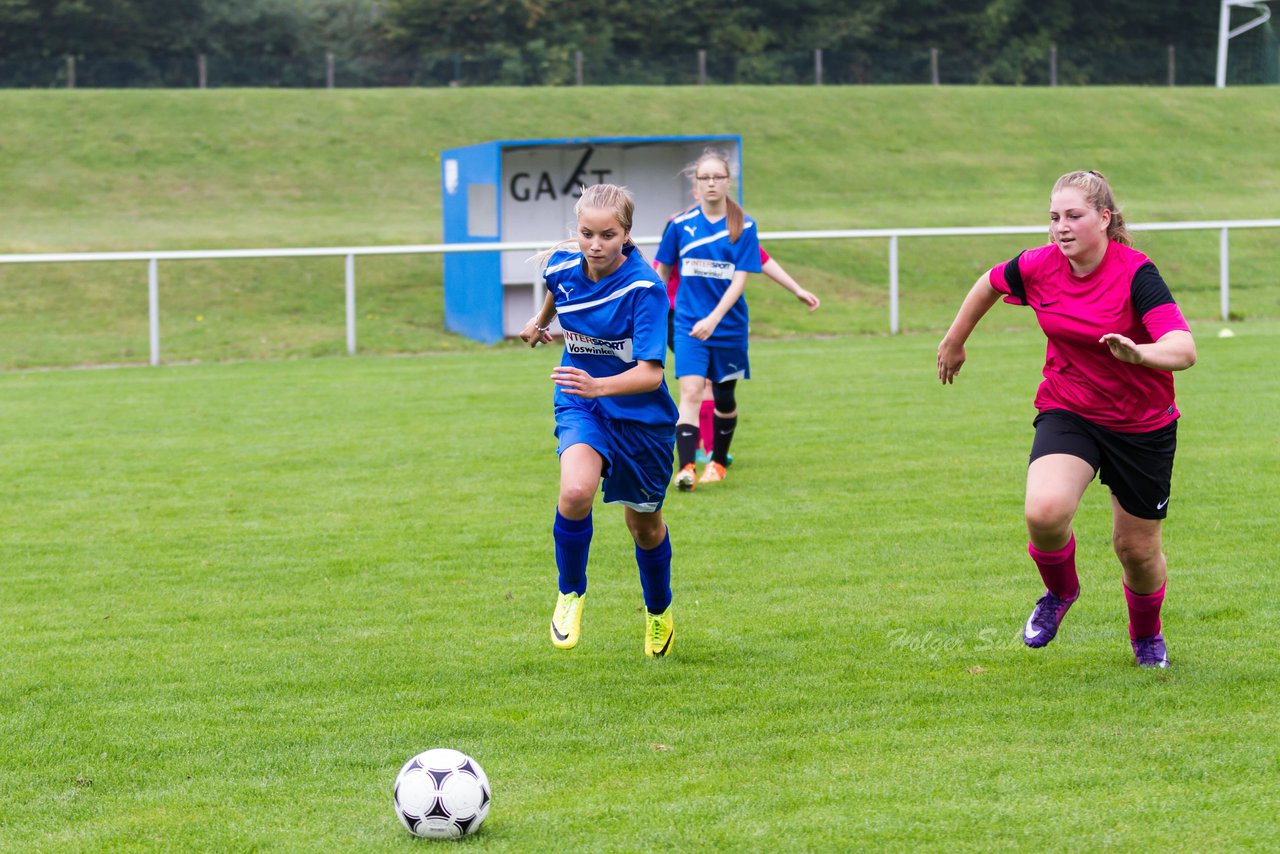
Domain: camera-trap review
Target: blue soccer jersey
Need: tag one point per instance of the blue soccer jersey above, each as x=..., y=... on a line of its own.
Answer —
x=608, y=326
x=701, y=251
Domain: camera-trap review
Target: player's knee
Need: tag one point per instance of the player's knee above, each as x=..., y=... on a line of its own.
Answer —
x=647, y=529
x=1137, y=553
x=690, y=398
x=1047, y=518
x=723, y=394
x=576, y=499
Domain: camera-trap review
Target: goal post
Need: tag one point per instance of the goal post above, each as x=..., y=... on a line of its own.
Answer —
x=1226, y=33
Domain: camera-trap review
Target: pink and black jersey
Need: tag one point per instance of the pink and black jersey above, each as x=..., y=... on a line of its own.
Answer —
x=1125, y=294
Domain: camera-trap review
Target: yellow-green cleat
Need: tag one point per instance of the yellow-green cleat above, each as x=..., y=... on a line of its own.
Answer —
x=566, y=622
x=659, y=633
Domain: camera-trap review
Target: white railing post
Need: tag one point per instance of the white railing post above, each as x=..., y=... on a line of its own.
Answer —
x=1224, y=275
x=351, y=305
x=153, y=308
x=893, y=285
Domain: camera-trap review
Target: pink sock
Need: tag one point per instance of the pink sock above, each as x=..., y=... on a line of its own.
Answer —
x=1144, y=612
x=705, y=423
x=1058, y=569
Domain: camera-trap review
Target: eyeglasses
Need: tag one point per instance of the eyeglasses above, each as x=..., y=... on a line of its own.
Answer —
x=712, y=179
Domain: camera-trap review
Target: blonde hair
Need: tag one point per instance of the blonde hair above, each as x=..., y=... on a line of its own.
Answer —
x=606, y=197
x=612, y=198
x=734, y=216
x=1097, y=192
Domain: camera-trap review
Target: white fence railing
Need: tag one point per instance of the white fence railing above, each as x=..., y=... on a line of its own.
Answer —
x=153, y=258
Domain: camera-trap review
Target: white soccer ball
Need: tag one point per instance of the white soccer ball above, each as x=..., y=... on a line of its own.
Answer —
x=442, y=794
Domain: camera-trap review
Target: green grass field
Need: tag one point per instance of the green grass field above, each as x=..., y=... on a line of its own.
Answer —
x=104, y=170
x=237, y=597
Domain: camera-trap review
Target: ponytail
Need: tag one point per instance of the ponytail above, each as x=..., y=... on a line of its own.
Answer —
x=734, y=219
x=1117, y=231
x=540, y=259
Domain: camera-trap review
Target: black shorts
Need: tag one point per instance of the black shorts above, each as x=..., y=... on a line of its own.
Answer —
x=1137, y=467
x=671, y=330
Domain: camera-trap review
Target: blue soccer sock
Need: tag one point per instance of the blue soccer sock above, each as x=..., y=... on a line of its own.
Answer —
x=573, y=544
x=655, y=574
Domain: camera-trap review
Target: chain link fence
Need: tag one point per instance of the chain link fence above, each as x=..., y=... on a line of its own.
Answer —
x=537, y=64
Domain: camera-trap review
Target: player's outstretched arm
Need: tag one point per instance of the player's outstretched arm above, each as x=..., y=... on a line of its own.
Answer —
x=774, y=271
x=1174, y=351
x=537, y=330
x=977, y=303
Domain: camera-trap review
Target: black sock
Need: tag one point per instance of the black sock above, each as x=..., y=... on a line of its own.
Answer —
x=686, y=443
x=724, y=428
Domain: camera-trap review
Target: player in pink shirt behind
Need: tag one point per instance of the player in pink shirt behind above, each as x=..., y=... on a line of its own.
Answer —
x=1115, y=335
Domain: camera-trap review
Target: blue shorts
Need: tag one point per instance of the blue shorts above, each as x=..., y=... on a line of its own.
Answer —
x=696, y=358
x=637, y=457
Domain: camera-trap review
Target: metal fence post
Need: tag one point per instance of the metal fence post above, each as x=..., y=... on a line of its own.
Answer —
x=933, y=65
x=328, y=70
x=1224, y=276
x=702, y=66
x=351, y=305
x=893, y=285
x=817, y=66
x=577, y=67
x=71, y=71
x=1173, y=65
x=202, y=71
x=1053, y=65
x=153, y=308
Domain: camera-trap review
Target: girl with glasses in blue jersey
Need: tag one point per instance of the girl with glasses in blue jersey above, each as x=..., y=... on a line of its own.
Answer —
x=714, y=245
x=615, y=420
x=772, y=270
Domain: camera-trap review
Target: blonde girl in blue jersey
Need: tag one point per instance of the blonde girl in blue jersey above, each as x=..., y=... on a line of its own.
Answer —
x=715, y=247
x=615, y=420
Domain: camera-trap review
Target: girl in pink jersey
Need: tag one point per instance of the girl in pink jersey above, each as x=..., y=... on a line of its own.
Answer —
x=1115, y=335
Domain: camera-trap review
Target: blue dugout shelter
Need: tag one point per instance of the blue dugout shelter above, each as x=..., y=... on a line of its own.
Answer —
x=525, y=190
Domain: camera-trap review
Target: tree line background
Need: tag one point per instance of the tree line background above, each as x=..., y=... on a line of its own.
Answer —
x=426, y=42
